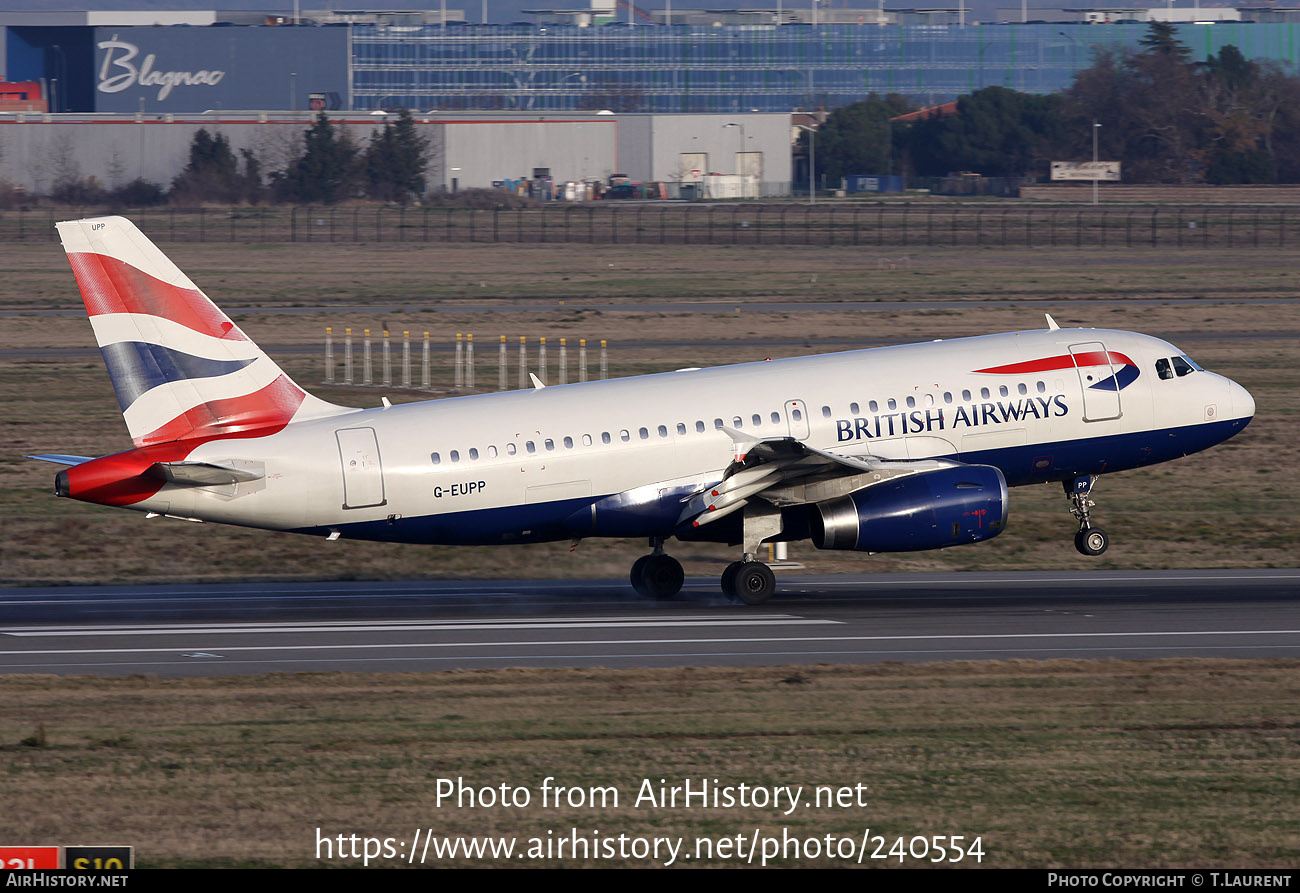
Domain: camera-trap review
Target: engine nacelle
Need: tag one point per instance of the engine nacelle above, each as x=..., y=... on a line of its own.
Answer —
x=929, y=510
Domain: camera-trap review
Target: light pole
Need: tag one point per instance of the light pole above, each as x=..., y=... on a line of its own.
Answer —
x=812, y=161
x=1095, y=127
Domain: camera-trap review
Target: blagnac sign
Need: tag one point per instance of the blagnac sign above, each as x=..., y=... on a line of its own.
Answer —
x=118, y=71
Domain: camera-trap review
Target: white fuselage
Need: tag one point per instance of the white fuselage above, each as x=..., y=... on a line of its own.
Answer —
x=530, y=465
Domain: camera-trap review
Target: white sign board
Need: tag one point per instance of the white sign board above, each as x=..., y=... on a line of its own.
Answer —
x=1086, y=170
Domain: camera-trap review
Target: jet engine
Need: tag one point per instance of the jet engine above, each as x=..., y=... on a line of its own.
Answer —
x=928, y=510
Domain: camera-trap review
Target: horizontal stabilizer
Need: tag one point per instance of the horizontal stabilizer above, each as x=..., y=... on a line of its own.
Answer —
x=61, y=459
x=201, y=474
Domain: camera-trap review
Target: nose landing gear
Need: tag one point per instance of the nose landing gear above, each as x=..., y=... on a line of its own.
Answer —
x=657, y=575
x=1091, y=541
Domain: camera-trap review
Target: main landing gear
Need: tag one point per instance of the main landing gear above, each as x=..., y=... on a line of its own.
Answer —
x=749, y=581
x=657, y=575
x=1089, y=540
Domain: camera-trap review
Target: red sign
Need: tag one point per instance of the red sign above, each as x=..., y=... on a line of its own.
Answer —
x=26, y=858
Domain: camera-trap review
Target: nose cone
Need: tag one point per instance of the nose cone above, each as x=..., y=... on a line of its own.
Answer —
x=1243, y=405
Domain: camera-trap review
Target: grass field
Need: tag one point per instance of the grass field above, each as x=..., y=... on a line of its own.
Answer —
x=1064, y=763
x=1227, y=507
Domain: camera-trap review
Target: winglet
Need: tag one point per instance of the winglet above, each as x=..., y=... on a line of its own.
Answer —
x=1051, y=323
x=537, y=382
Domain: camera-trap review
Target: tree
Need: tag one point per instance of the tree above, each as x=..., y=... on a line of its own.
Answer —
x=326, y=169
x=859, y=138
x=211, y=174
x=1161, y=39
x=395, y=161
x=1150, y=107
x=996, y=131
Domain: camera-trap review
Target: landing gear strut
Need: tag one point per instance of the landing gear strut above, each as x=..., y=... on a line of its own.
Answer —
x=750, y=580
x=657, y=575
x=1091, y=541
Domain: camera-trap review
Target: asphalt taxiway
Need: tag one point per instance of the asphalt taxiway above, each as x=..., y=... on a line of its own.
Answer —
x=201, y=630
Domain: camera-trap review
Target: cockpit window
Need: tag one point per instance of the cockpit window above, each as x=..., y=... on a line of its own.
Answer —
x=1182, y=367
x=1195, y=365
x=1164, y=370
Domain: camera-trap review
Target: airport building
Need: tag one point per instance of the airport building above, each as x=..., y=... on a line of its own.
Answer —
x=687, y=62
x=705, y=153
x=682, y=97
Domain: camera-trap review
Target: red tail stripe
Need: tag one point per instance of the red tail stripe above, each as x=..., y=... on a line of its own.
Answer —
x=1065, y=361
x=272, y=406
x=109, y=285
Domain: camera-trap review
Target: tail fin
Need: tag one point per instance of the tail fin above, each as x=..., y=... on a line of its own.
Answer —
x=180, y=367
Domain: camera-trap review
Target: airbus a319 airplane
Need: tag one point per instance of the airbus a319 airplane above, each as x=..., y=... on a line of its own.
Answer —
x=884, y=450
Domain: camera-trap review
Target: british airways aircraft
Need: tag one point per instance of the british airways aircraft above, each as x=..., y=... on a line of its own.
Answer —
x=892, y=449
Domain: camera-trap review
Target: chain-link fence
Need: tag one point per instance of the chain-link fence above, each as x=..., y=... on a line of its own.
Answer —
x=867, y=224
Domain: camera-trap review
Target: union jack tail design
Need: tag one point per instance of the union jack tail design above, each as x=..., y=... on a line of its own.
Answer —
x=181, y=368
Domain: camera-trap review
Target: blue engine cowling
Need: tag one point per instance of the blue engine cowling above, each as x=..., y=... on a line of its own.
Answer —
x=928, y=510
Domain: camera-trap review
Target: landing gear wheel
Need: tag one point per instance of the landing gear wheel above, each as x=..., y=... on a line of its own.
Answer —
x=729, y=578
x=1092, y=541
x=750, y=581
x=661, y=577
x=638, y=568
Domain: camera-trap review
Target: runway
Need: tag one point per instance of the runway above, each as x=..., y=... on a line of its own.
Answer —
x=204, y=630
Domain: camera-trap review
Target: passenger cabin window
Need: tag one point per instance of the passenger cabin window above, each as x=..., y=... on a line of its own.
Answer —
x=681, y=428
x=826, y=412
x=550, y=444
x=663, y=430
x=473, y=452
x=776, y=418
x=853, y=408
x=796, y=415
x=530, y=446
x=965, y=395
x=455, y=455
x=437, y=460
x=757, y=419
x=491, y=452
x=874, y=406
x=699, y=427
x=586, y=440
x=604, y=437
x=717, y=423
x=645, y=433
x=510, y=449
x=568, y=443
x=625, y=435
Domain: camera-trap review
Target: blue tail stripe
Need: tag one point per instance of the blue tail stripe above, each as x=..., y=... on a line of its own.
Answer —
x=137, y=366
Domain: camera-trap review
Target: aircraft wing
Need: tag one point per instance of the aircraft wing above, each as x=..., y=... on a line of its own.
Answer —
x=785, y=472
